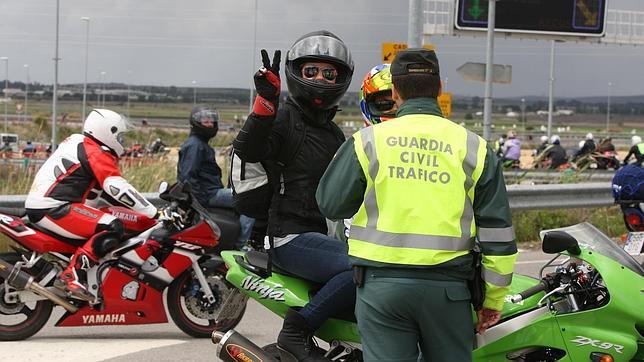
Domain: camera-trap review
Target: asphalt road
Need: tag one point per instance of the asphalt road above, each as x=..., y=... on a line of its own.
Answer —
x=161, y=342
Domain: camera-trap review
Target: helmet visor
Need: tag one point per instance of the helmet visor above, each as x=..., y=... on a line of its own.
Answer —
x=322, y=46
x=127, y=126
x=206, y=117
x=380, y=104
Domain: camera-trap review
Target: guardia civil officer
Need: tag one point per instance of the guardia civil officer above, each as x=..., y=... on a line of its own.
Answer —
x=423, y=189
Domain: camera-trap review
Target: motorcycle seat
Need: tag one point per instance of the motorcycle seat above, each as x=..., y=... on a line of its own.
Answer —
x=15, y=211
x=228, y=222
x=74, y=242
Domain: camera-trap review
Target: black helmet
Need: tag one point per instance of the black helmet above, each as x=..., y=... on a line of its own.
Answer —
x=201, y=114
x=318, y=46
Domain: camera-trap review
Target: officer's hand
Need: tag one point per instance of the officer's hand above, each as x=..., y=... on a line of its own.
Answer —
x=268, y=85
x=487, y=318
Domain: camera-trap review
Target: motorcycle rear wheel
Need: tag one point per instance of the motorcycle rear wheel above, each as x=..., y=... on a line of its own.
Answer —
x=20, y=321
x=183, y=297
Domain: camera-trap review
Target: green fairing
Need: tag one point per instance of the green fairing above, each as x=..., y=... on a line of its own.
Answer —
x=609, y=328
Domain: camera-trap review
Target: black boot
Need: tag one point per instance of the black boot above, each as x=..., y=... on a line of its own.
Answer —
x=295, y=340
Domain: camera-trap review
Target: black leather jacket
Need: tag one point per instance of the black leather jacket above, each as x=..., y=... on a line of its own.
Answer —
x=299, y=144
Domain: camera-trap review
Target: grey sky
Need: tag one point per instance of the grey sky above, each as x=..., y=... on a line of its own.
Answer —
x=169, y=42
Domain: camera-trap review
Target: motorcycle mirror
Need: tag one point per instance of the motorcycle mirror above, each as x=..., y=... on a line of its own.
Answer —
x=163, y=187
x=557, y=241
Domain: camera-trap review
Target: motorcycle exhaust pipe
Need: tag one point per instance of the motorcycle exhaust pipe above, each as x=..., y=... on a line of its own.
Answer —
x=23, y=281
x=233, y=347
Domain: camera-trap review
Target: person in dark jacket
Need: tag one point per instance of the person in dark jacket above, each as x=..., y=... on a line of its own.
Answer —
x=318, y=73
x=556, y=154
x=198, y=167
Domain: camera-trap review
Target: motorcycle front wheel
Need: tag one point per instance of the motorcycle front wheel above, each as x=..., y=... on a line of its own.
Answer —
x=191, y=312
x=20, y=321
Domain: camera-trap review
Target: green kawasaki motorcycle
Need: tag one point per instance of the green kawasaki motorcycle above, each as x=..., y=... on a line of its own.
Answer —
x=590, y=308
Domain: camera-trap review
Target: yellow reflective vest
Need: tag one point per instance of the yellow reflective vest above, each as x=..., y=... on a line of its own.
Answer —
x=421, y=172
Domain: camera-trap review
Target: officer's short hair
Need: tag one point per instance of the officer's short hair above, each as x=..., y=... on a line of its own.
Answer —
x=417, y=86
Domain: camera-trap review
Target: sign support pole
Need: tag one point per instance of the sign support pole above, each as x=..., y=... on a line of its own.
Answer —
x=489, y=63
x=551, y=86
x=415, y=27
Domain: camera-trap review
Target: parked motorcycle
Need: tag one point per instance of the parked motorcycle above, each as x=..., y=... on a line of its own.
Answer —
x=178, y=254
x=588, y=309
x=596, y=160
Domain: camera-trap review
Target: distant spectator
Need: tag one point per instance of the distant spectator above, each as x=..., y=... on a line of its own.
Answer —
x=29, y=150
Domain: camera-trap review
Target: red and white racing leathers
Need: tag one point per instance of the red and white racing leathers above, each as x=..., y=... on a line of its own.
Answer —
x=67, y=186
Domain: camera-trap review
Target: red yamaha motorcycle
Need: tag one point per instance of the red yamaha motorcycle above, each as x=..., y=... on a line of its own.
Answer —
x=178, y=252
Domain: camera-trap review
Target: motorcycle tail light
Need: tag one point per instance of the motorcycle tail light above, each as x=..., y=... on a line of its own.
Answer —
x=601, y=357
x=633, y=219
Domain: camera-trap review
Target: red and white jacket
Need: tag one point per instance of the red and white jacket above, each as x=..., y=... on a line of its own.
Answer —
x=77, y=172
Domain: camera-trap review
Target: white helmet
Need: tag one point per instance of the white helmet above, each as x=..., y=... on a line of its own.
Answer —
x=589, y=136
x=108, y=128
x=635, y=140
x=544, y=139
x=555, y=139
x=581, y=144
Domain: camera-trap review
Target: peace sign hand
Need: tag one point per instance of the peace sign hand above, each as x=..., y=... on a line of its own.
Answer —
x=267, y=85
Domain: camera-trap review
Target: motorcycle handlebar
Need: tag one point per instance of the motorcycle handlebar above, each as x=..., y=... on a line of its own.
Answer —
x=529, y=292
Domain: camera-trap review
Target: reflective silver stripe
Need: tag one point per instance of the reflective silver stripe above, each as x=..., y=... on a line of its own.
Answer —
x=469, y=165
x=430, y=242
x=370, y=202
x=494, y=278
x=496, y=234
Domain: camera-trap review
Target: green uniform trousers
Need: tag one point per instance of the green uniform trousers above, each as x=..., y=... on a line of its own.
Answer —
x=400, y=317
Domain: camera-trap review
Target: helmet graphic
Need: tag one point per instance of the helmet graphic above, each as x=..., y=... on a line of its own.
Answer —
x=204, y=121
x=375, y=96
x=107, y=128
x=324, y=47
x=635, y=140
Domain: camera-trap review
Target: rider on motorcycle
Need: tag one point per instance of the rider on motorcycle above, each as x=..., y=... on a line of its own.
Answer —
x=586, y=146
x=637, y=150
x=542, y=147
x=512, y=149
x=556, y=154
x=66, y=188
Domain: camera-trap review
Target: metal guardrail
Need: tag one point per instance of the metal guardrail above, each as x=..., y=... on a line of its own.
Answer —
x=522, y=197
x=544, y=176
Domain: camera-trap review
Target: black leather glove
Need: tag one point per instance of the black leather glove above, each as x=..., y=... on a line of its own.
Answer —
x=268, y=85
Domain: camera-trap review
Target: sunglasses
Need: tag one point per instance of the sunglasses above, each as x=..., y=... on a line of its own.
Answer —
x=312, y=71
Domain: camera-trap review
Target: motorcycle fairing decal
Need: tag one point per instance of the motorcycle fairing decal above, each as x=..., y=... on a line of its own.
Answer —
x=505, y=328
x=265, y=291
x=583, y=341
x=15, y=226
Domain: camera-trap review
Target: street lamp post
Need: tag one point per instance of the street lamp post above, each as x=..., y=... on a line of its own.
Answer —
x=608, y=109
x=523, y=113
x=54, y=108
x=86, y=20
x=102, y=87
x=27, y=91
x=129, y=73
x=4, y=91
x=194, y=93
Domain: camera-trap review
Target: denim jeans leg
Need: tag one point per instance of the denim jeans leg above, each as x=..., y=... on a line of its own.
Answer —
x=322, y=259
x=223, y=198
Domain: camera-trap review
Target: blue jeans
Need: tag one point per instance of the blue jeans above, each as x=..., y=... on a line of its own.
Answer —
x=321, y=259
x=224, y=198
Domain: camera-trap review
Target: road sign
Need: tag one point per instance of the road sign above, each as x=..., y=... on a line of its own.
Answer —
x=445, y=102
x=562, y=17
x=389, y=50
x=476, y=71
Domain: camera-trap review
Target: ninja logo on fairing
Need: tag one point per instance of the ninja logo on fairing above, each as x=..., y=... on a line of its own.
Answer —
x=265, y=292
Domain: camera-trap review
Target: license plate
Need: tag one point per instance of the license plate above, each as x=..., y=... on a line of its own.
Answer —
x=233, y=307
